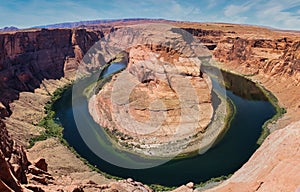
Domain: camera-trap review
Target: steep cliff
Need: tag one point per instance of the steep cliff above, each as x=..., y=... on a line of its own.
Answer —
x=207, y=37
x=150, y=109
x=269, y=58
x=26, y=58
x=273, y=167
x=274, y=57
x=13, y=162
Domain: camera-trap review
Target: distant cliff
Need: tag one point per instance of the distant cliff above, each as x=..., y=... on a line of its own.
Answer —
x=273, y=57
x=11, y=28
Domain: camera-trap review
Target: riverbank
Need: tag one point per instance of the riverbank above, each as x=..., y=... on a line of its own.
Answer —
x=284, y=95
x=258, y=173
x=269, y=125
x=64, y=164
x=237, y=133
x=194, y=145
x=42, y=151
x=198, y=143
x=43, y=147
x=280, y=110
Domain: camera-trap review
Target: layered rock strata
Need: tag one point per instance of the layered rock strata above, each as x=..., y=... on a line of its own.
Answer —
x=13, y=162
x=273, y=167
x=274, y=66
x=27, y=58
x=162, y=101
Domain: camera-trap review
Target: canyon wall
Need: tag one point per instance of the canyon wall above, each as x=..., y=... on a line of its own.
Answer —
x=13, y=162
x=274, y=57
x=273, y=60
x=150, y=110
x=27, y=58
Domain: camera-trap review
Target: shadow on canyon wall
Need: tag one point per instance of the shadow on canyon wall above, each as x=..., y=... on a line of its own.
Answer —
x=27, y=58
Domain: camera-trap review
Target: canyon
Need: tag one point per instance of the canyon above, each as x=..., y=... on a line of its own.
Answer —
x=35, y=62
x=145, y=106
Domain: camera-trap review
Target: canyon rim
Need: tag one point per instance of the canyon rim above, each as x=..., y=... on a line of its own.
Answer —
x=34, y=63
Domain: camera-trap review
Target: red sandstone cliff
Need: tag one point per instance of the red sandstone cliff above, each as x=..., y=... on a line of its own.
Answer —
x=274, y=57
x=13, y=162
x=26, y=58
x=157, y=117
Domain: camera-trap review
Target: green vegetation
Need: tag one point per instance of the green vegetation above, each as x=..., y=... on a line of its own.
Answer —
x=95, y=87
x=89, y=90
x=121, y=57
x=279, y=113
x=55, y=130
x=213, y=180
x=52, y=129
x=156, y=187
x=270, y=97
x=231, y=112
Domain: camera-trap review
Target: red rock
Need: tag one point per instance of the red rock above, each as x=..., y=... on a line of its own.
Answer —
x=41, y=164
x=26, y=58
x=273, y=167
x=165, y=76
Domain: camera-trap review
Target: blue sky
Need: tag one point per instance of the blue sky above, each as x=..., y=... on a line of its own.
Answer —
x=283, y=14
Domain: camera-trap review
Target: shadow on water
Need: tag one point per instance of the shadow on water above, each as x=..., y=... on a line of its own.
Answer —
x=238, y=144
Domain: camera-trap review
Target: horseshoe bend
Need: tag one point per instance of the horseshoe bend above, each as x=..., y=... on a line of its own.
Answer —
x=159, y=104
x=146, y=106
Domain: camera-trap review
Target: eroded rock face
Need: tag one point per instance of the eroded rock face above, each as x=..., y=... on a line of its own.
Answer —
x=275, y=59
x=273, y=167
x=162, y=97
x=26, y=58
x=13, y=162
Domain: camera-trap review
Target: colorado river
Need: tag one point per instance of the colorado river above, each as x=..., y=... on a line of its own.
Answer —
x=228, y=155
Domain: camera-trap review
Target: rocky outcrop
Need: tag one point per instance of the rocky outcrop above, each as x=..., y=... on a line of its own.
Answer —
x=287, y=64
x=207, y=37
x=15, y=169
x=126, y=186
x=26, y=58
x=151, y=110
x=273, y=61
x=13, y=161
x=273, y=57
x=273, y=167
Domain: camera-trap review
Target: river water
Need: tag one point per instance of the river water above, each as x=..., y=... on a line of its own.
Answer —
x=228, y=155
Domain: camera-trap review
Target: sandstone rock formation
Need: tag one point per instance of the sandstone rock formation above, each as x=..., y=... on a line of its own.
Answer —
x=26, y=58
x=13, y=162
x=273, y=167
x=162, y=100
x=15, y=169
x=271, y=58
